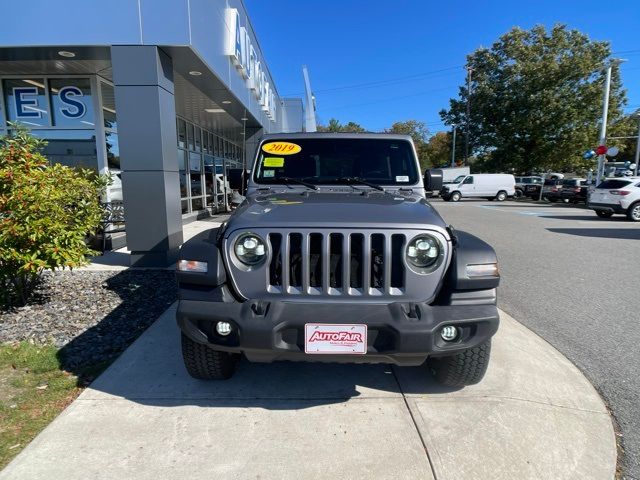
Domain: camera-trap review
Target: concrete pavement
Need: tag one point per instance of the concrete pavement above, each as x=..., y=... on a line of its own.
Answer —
x=534, y=416
x=572, y=278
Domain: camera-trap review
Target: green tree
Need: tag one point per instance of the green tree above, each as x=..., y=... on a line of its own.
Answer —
x=46, y=211
x=419, y=132
x=438, y=149
x=335, y=126
x=536, y=98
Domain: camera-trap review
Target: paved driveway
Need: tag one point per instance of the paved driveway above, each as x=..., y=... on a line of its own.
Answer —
x=573, y=278
x=534, y=416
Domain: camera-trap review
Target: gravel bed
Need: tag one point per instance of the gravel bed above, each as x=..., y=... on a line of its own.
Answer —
x=91, y=316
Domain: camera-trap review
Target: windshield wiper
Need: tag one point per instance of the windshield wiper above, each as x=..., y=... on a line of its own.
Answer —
x=360, y=181
x=288, y=180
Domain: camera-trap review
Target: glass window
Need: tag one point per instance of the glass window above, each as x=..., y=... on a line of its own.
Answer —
x=26, y=102
x=196, y=204
x=108, y=106
x=195, y=173
x=468, y=181
x=380, y=161
x=184, y=192
x=198, y=139
x=205, y=142
x=182, y=133
x=614, y=184
x=190, y=134
x=185, y=206
x=113, y=151
x=74, y=148
x=71, y=102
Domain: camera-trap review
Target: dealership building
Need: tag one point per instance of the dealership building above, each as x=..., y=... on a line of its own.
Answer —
x=166, y=95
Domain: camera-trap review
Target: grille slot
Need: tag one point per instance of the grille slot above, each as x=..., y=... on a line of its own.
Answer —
x=354, y=264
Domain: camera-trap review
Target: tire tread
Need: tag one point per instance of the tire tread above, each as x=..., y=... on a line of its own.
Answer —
x=204, y=363
x=462, y=369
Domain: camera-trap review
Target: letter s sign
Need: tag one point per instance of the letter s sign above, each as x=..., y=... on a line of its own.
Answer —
x=77, y=108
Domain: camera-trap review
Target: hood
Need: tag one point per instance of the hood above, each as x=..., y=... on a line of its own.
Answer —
x=336, y=210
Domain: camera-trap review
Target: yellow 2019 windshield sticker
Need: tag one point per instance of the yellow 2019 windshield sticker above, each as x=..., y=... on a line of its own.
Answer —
x=274, y=162
x=281, y=148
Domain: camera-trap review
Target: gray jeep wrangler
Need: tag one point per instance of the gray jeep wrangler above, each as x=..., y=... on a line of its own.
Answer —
x=336, y=256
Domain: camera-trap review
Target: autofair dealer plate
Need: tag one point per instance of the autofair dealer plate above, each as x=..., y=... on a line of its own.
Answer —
x=325, y=338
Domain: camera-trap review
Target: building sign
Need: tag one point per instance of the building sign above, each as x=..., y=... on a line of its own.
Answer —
x=245, y=58
x=69, y=104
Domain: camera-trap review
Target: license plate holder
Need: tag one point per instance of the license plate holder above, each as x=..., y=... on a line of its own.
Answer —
x=335, y=339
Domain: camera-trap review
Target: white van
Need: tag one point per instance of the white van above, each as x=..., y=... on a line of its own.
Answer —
x=491, y=186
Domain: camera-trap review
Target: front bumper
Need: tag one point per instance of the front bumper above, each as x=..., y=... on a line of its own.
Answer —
x=608, y=207
x=398, y=333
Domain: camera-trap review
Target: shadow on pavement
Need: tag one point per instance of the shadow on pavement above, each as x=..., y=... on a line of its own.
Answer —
x=620, y=233
x=151, y=372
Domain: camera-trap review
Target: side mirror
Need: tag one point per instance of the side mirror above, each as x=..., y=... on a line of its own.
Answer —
x=433, y=179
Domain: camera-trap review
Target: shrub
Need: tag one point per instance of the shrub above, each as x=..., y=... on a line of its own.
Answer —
x=46, y=211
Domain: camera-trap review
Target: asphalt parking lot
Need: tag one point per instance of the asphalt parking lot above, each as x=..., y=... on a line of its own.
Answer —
x=572, y=278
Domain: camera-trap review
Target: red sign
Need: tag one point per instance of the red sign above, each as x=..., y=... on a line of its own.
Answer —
x=601, y=150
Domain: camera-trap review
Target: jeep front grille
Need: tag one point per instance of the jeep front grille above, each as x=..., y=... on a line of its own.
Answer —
x=332, y=263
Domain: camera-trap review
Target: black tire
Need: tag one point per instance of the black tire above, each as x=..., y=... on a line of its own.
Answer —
x=461, y=369
x=455, y=197
x=603, y=214
x=633, y=212
x=501, y=196
x=519, y=193
x=205, y=363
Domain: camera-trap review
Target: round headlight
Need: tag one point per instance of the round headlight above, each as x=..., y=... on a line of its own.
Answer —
x=423, y=251
x=250, y=249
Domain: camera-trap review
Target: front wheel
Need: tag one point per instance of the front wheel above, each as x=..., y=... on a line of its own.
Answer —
x=603, y=214
x=205, y=363
x=633, y=213
x=461, y=369
x=502, y=196
x=455, y=196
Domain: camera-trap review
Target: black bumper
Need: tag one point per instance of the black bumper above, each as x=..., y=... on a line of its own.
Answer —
x=399, y=333
x=607, y=207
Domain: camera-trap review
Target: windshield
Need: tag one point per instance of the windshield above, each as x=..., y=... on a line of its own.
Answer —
x=335, y=160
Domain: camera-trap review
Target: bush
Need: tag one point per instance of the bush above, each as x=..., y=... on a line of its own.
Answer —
x=46, y=211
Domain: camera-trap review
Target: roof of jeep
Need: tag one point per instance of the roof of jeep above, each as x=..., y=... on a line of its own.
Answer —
x=319, y=135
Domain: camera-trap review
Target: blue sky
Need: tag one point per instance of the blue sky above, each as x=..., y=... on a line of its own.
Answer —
x=410, y=53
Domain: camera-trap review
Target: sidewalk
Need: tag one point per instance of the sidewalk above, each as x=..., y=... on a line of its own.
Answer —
x=534, y=416
x=117, y=260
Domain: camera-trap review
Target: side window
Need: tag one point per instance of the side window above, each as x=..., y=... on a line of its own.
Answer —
x=468, y=181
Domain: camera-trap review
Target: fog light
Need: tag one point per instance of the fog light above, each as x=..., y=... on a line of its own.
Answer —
x=223, y=328
x=448, y=333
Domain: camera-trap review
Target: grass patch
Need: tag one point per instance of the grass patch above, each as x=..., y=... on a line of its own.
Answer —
x=34, y=391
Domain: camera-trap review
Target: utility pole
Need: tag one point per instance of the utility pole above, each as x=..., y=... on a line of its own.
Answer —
x=453, y=147
x=637, y=156
x=466, y=133
x=605, y=112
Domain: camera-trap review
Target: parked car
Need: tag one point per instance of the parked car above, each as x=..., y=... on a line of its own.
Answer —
x=574, y=190
x=617, y=195
x=551, y=189
x=337, y=257
x=491, y=186
x=528, y=186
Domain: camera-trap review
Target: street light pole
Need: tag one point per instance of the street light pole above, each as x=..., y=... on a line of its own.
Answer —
x=605, y=112
x=453, y=148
